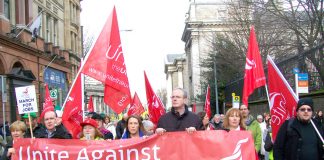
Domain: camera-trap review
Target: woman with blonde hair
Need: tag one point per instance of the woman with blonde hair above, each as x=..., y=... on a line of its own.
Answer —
x=17, y=130
x=234, y=120
x=90, y=130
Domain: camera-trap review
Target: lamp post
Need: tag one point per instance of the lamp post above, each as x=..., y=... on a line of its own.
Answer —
x=216, y=90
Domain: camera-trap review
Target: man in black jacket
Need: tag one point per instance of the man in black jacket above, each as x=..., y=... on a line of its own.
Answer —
x=36, y=127
x=179, y=118
x=297, y=138
x=51, y=130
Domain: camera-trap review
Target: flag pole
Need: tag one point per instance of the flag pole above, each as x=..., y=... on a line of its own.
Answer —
x=82, y=95
x=266, y=87
x=317, y=131
x=29, y=23
x=73, y=83
x=82, y=90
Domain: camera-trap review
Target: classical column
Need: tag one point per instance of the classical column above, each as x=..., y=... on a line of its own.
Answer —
x=195, y=56
x=169, y=89
x=180, y=76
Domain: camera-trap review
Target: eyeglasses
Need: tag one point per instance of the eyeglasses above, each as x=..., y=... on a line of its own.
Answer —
x=175, y=97
x=243, y=109
x=305, y=109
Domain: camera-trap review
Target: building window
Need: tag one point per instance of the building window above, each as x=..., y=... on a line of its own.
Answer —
x=72, y=42
x=48, y=28
x=56, y=43
x=7, y=8
x=41, y=32
x=75, y=43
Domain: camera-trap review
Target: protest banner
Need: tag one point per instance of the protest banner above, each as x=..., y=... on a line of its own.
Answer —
x=205, y=145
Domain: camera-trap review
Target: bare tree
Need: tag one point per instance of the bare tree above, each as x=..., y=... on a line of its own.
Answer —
x=305, y=20
x=162, y=93
x=87, y=42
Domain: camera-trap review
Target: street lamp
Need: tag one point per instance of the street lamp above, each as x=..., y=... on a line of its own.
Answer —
x=216, y=90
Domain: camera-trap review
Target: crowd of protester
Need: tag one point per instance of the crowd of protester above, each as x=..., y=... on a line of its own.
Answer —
x=296, y=139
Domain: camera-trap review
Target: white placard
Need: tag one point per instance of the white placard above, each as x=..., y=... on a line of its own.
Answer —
x=26, y=99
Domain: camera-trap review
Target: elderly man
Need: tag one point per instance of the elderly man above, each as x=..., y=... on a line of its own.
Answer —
x=50, y=130
x=253, y=126
x=297, y=137
x=216, y=122
x=179, y=118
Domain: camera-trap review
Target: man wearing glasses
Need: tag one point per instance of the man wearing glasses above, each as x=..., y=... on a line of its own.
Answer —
x=297, y=137
x=179, y=118
x=50, y=130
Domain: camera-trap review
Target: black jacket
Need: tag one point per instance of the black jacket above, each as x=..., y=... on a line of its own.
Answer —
x=37, y=131
x=171, y=121
x=120, y=128
x=268, y=144
x=288, y=142
x=5, y=151
x=59, y=133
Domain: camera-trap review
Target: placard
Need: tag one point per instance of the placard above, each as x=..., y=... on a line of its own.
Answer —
x=26, y=99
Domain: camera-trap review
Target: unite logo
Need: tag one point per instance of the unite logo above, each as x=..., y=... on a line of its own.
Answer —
x=237, y=154
x=155, y=102
x=273, y=96
x=25, y=93
x=249, y=64
x=71, y=99
x=278, y=108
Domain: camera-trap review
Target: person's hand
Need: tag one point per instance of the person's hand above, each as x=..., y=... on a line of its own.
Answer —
x=160, y=131
x=191, y=129
x=10, y=152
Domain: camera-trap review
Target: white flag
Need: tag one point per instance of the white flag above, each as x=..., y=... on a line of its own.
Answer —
x=35, y=26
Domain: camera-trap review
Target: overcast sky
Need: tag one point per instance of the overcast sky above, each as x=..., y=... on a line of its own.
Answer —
x=156, y=29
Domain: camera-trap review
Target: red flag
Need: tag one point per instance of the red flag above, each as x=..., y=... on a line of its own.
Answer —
x=194, y=107
x=47, y=105
x=72, y=113
x=283, y=100
x=105, y=62
x=254, y=74
x=136, y=107
x=90, y=105
x=155, y=106
x=207, y=102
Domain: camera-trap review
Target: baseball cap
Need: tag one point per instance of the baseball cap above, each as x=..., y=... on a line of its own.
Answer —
x=90, y=121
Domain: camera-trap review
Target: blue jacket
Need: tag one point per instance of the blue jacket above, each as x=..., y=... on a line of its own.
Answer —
x=126, y=134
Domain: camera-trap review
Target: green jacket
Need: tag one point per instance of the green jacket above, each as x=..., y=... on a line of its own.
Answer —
x=255, y=128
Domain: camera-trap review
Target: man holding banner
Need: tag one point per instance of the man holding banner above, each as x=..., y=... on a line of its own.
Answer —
x=179, y=118
x=50, y=130
x=298, y=138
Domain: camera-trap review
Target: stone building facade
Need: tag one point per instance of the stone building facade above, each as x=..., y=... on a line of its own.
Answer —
x=203, y=19
x=52, y=58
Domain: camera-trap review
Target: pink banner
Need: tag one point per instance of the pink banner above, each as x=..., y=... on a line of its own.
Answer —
x=173, y=145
